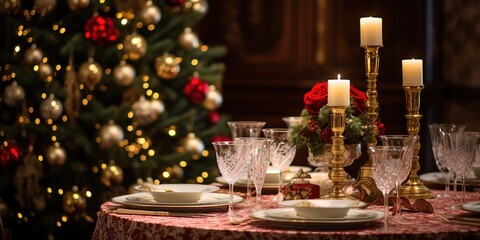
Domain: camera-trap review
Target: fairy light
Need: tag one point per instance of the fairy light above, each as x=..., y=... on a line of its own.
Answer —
x=84, y=102
x=54, y=127
x=35, y=68
x=204, y=48
x=58, y=67
x=155, y=95
x=156, y=181
x=64, y=118
x=205, y=174
x=103, y=166
x=199, y=179
x=62, y=30
x=124, y=21
x=108, y=71
x=151, y=152
x=17, y=49
x=55, y=27
x=194, y=62
x=19, y=215
x=44, y=95
x=145, y=78
x=183, y=164
x=172, y=131
x=145, y=85
x=139, y=132
x=59, y=224
x=195, y=157
x=151, y=27
x=54, y=138
x=149, y=92
x=88, y=194
x=64, y=218
x=166, y=174
x=143, y=158
x=95, y=169
x=60, y=191
x=49, y=121
x=49, y=189
x=129, y=128
x=139, y=25
x=37, y=121
x=205, y=153
x=40, y=158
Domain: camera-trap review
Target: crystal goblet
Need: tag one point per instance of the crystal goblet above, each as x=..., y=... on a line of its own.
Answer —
x=437, y=149
x=386, y=162
x=232, y=164
x=260, y=149
x=408, y=142
x=460, y=148
x=282, y=152
x=246, y=129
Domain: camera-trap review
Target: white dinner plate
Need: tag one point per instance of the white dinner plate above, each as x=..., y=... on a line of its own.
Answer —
x=208, y=201
x=437, y=178
x=286, y=217
x=471, y=206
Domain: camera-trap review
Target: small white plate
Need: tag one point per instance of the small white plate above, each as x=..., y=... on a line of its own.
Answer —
x=353, y=214
x=471, y=206
x=176, y=193
x=286, y=217
x=322, y=208
x=208, y=201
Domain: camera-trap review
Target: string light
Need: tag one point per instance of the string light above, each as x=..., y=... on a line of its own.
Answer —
x=183, y=164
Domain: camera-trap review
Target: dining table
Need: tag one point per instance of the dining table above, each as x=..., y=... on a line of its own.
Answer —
x=214, y=223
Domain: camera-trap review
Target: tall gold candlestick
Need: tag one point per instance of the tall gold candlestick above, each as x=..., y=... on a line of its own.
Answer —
x=367, y=186
x=337, y=174
x=414, y=188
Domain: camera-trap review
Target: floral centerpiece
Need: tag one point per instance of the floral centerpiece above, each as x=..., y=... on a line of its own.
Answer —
x=315, y=131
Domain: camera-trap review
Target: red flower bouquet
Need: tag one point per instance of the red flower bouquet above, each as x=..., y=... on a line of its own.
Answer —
x=316, y=130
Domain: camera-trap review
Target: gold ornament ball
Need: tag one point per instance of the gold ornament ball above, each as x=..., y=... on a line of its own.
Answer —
x=10, y=6
x=55, y=154
x=44, y=6
x=13, y=94
x=75, y=5
x=111, y=175
x=213, y=100
x=110, y=135
x=167, y=66
x=196, y=6
x=146, y=112
x=150, y=14
x=45, y=71
x=73, y=201
x=124, y=74
x=134, y=46
x=193, y=144
x=51, y=108
x=188, y=39
x=33, y=55
x=90, y=73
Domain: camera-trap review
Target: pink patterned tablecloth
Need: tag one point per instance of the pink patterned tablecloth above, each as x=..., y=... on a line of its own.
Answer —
x=113, y=226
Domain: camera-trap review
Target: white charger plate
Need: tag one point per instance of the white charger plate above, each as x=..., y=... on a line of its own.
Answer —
x=286, y=217
x=471, y=206
x=208, y=201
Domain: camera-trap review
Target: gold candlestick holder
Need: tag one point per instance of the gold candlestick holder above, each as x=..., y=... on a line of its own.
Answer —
x=337, y=174
x=414, y=188
x=368, y=189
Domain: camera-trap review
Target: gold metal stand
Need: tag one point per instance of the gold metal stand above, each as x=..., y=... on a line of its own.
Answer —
x=414, y=188
x=368, y=188
x=337, y=174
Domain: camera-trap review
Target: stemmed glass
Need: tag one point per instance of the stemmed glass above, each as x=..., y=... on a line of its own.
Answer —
x=282, y=152
x=232, y=164
x=437, y=149
x=460, y=151
x=386, y=162
x=407, y=142
x=260, y=152
x=243, y=129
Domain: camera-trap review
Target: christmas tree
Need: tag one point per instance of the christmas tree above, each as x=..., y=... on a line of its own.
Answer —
x=97, y=95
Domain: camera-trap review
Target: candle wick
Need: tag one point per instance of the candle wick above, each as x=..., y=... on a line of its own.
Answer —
x=338, y=76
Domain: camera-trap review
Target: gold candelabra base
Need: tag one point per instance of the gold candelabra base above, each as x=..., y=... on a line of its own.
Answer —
x=414, y=188
x=337, y=174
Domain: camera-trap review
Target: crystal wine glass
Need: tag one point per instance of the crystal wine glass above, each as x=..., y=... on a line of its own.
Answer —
x=407, y=142
x=242, y=129
x=437, y=149
x=292, y=121
x=460, y=151
x=232, y=164
x=260, y=149
x=282, y=152
x=386, y=162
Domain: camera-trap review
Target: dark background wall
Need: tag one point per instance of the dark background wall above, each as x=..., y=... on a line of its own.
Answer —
x=278, y=49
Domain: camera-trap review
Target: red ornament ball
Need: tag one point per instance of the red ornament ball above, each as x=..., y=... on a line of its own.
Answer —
x=221, y=138
x=10, y=153
x=175, y=3
x=101, y=30
x=214, y=117
x=196, y=90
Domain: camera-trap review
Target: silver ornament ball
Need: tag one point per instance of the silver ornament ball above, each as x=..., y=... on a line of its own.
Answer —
x=51, y=108
x=13, y=94
x=124, y=74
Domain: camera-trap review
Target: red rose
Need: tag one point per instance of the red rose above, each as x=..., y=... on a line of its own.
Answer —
x=359, y=98
x=316, y=98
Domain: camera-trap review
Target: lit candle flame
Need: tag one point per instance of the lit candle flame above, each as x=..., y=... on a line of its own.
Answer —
x=338, y=76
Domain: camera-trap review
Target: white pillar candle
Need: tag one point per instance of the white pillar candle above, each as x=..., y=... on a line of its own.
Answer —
x=371, y=31
x=412, y=72
x=338, y=92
